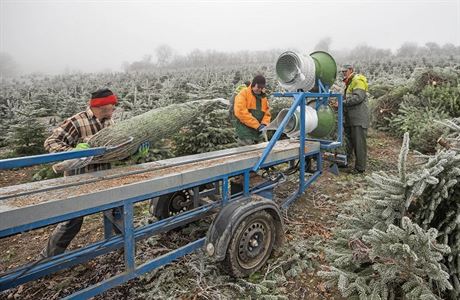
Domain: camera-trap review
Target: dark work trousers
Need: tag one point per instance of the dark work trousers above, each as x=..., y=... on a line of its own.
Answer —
x=357, y=145
x=66, y=231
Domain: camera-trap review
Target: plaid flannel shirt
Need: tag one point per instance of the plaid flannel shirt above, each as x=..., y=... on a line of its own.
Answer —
x=74, y=130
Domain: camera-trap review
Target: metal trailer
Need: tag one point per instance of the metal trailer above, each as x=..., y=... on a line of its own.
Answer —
x=246, y=219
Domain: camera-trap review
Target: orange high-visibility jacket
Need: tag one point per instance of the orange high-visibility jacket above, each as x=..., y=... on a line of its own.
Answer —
x=246, y=101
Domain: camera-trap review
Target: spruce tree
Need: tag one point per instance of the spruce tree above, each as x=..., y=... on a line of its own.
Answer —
x=401, y=238
x=27, y=134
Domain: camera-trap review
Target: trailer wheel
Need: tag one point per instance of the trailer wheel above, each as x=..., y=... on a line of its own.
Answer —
x=251, y=245
x=171, y=204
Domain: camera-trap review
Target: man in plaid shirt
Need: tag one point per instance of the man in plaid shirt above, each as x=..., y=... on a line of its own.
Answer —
x=73, y=133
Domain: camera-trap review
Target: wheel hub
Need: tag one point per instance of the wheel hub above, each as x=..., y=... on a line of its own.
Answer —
x=253, y=244
x=180, y=202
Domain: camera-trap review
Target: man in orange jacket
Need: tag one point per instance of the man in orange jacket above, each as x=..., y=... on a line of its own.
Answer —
x=252, y=112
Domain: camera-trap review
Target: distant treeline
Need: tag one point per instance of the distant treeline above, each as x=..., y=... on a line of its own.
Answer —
x=166, y=57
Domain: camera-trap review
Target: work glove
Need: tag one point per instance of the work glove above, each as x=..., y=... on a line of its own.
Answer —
x=76, y=163
x=261, y=128
x=143, y=150
x=334, y=104
x=82, y=146
x=266, y=92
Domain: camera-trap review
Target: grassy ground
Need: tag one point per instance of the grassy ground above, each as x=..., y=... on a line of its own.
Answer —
x=291, y=273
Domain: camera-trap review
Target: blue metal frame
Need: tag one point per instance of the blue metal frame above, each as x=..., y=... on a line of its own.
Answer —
x=130, y=234
x=27, y=161
x=68, y=259
x=42, y=223
x=322, y=98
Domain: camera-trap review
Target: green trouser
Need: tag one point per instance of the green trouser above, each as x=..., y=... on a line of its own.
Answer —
x=245, y=140
x=357, y=145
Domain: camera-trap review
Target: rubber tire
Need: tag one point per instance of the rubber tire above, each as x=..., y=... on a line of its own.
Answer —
x=231, y=262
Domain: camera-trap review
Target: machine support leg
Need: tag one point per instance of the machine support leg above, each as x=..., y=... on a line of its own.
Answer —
x=246, y=183
x=319, y=163
x=113, y=221
x=108, y=226
x=129, y=236
x=302, y=147
x=196, y=197
x=224, y=191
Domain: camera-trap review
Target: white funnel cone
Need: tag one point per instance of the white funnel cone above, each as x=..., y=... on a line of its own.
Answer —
x=292, y=128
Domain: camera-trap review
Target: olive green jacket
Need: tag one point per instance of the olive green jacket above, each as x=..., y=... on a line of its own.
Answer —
x=356, y=111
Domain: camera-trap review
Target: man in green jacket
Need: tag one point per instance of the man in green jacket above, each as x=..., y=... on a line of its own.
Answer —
x=356, y=116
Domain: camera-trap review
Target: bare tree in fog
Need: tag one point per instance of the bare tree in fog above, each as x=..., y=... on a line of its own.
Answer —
x=164, y=54
x=8, y=66
x=407, y=49
x=323, y=45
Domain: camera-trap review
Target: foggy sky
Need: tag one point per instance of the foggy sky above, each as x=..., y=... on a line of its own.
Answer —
x=50, y=36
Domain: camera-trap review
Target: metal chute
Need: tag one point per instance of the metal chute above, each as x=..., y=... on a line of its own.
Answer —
x=292, y=128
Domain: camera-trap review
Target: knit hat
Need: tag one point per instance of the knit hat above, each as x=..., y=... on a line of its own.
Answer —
x=102, y=97
x=259, y=80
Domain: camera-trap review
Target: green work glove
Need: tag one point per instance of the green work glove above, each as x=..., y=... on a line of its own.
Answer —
x=143, y=150
x=82, y=146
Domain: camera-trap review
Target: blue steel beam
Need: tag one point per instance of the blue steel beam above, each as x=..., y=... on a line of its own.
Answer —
x=144, y=268
x=128, y=236
x=267, y=185
x=225, y=190
x=26, y=161
x=108, y=226
x=340, y=119
x=302, y=146
x=71, y=258
x=296, y=194
x=321, y=87
x=246, y=183
x=278, y=131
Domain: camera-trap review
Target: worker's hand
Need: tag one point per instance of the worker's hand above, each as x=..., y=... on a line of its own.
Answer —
x=143, y=150
x=82, y=146
x=334, y=104
x=261, y=128
x=266, y=91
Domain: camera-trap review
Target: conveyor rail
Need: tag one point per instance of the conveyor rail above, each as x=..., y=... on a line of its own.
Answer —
x=42, y=208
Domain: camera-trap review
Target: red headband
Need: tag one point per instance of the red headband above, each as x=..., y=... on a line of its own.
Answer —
x=95, y=102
